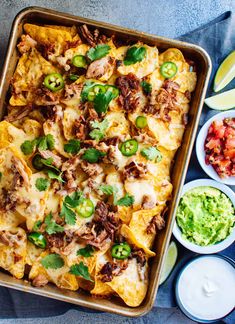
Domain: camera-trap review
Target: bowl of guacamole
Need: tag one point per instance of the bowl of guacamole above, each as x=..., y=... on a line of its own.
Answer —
x=205, y=217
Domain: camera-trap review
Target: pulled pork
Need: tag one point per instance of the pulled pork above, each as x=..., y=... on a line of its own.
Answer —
x=91, y=38
x=53, y=113
x=103, y=227
x=129, y=85
x=26, y=44
x=80, y=128
x=92, y=170
x=57, y=161
x=40, y=280
x=164, y=102
x=10, y=239
x=19, y=114
x=156, y=223
x=100, y=67
x=134, y=170
x=70, y=168
x=72, y=91
x=112, y=269
x=47, y=97
x=147, y=202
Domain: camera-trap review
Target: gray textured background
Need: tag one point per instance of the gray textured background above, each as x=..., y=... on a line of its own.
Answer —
x=169, y=18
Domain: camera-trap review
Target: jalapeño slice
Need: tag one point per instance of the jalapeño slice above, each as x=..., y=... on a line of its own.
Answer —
x=54, y=82
x=114, y=90
x=98, y=88
x=129, y=147
x=168, y=70
x=85, y=208
x=37, y=239
x=37, y=162
x=121, y=251
x=79, y=61
x=141, y=122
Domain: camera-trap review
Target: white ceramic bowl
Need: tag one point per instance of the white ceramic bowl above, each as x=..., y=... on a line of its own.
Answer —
x=210, y=248
x=201, y=151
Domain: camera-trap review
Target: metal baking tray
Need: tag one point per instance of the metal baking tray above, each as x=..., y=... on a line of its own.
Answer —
x=200, y=57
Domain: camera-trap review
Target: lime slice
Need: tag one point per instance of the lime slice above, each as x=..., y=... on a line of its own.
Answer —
x=225, y=73
x=222, y=101
x=170, y=261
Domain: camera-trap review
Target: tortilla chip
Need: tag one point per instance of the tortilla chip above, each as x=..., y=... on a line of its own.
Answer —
x=52, y=36
x=101, y=288
x=28, y=77
x=186, y=80
x=10, y=219
x=60, y=277
x=143, y=68
x=56, y=131
x=70, y=116
x=131, y=238
x=33, y=253
x=33, y=201
x=129, y=286
x=139, y=223
x=12, y=258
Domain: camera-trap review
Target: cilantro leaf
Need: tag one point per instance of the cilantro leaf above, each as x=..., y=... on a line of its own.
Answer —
x=98, y=129
x=37, y=226
x=69, y=215
x=42, y=143
x=102, y=100
x=134, y=55
x=0, y=175
x=96, y=53
x=80, y=270
x=50, y=141
x=127, y=200
x=27, y=147
x=92, y=155
x=151, y=153
x=86, y=252
x=52, y=227
x=74, y=199
x=42, y=184
x=52, y=261
x=54, y=175
x=73, y=146
x=147, y=87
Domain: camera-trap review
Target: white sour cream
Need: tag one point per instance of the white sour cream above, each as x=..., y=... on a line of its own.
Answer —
x=206, y=288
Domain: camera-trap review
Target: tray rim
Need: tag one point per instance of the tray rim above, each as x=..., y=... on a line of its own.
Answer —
x=140, y=310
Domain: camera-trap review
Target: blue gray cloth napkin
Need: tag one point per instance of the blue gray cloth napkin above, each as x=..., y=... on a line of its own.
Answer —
x=218, y=39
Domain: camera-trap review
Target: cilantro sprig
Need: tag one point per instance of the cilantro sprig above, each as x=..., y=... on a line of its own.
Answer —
x=134, y=54
x=86, y=252
x=42, y=143
x=80, y=270
x=52, y=261
x=69, y=203
x=102, y=100
x=96, y=53
x=109, y=190
x=99, y=129
x=151, y=153
x=51, y=226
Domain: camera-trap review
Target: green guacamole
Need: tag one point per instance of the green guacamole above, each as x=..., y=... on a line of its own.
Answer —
x=205, y=216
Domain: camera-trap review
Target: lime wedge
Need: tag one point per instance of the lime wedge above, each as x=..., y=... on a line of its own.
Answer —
x=170, y=261
x=225, y=73
x=222, y=101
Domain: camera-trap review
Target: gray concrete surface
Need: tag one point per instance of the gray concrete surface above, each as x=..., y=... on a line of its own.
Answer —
x=169, y=18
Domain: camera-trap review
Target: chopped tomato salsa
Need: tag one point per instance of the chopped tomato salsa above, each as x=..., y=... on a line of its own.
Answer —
x=220, y=147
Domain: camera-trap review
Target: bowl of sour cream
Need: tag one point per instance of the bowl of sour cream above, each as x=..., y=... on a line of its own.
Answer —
x=205, y=288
